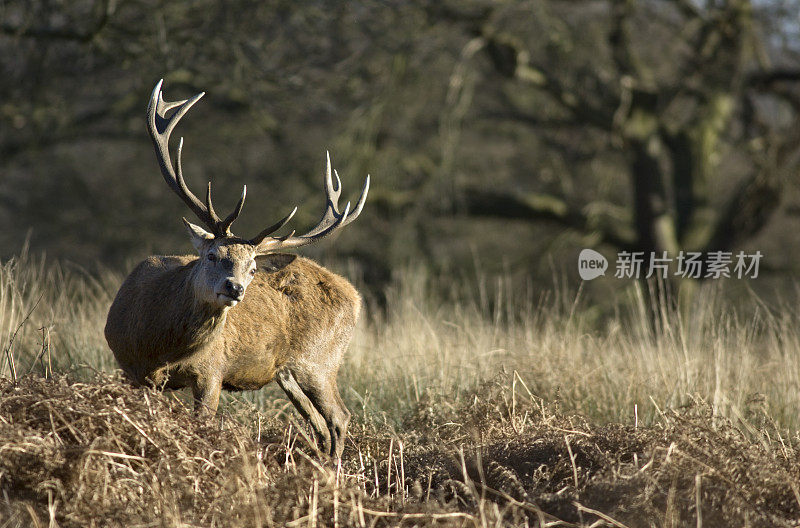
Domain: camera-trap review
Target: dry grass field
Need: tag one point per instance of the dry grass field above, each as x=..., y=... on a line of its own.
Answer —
x=491, y=411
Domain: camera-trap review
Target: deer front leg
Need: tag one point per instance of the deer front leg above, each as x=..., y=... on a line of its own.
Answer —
x=206, y=392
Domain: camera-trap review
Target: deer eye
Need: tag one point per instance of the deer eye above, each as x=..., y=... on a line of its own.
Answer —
x=253, y=271
x=212, y=257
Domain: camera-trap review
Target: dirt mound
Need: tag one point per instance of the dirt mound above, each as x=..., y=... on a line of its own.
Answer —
x=87, y=453
x=530, y=459
x=101, y=453
x=104, y=453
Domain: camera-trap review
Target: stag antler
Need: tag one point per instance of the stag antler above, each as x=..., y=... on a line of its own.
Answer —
x=160, y=127
x=332, y=220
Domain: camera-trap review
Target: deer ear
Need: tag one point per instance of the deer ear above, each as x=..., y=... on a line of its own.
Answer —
x=197, y=234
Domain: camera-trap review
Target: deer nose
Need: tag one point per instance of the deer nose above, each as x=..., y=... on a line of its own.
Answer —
x=235, y=289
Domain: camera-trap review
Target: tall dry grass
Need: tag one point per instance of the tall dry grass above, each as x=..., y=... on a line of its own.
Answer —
x=420, y=347
x=744, y=359
x=52, y=315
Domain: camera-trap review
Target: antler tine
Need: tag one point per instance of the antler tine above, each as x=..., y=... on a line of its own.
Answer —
x=331, y=221
x=292, y=241
x=223, y=227
x=160, y=127
x=331, y=213
x=226, y=224
x=331, y=192
x=274, y=227
x=360, y=204
x=210, y=206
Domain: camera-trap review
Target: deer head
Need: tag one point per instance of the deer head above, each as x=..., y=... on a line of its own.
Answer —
x=227, y=262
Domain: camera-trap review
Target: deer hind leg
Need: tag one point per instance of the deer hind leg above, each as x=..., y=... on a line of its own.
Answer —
x=338, y=418
x=288, y=382
x=316, y=396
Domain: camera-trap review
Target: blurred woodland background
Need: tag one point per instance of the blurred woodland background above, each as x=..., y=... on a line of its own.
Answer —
x=503, y=137
x=500, y=135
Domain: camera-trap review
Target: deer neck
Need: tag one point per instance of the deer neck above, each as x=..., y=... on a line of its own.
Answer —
x=199, y=323
x=204, y=323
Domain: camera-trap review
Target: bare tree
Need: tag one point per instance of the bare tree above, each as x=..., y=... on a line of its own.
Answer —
x=672, y=89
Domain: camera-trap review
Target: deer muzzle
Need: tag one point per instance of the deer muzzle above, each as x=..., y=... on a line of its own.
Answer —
x=231, y=293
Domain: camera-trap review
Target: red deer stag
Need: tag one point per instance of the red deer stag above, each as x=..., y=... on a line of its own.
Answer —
x=181, y=321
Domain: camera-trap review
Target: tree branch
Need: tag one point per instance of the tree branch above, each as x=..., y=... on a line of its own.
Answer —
x=767, y=79
x=747, y=212
x=689, y=9
x=531, y=120
x=511, y=60
x=49, y=33
x=540, y=207
x=620, y=40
